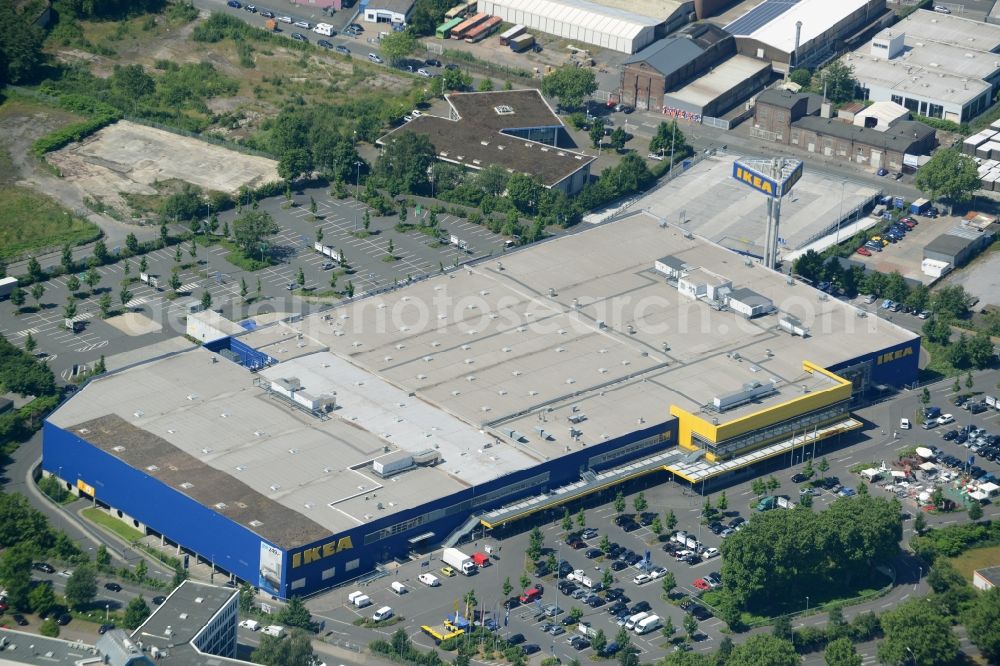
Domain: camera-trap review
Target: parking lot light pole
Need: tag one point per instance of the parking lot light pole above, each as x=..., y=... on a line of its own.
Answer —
x=807, y=604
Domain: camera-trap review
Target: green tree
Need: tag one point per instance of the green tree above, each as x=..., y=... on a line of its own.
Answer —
x=485, y=84
x=838, y=81
x=619, y=503
x=801, y=76
x=507, y=587
x=136, y=613
x=656, y=526
x=15, y=566
x=391, y=249
x=668, y=627
x=925, y=396
x=758, y=487
x=49, y=628
x=178, y=257
x=206, y=300
x=104, y=305
x=72, y=284
x=669, y=582
x=193, y=249
x=524, y=192
x=175, y=282
x=17, y=298
x=81, y=588
x=764, y=649
x=294, y=650
x=670, y=521
x=258, y=289
x=640, y=503
x=597, y=132
x=599, y=641
x=980, y=351
x=21, y=55
x=669, y=136
x=69, y=309
x=690, y=625
x=570, y=84
x=350, y=289
x=246, y=598
x=607, y=578
x=975, y=511
x=982, y=622
x=535, y=540
x=92, y=277
x=333, y=279
x=567, y=521
x=243, y=289
x=950, y=302
x=470, y=600
x=103, y=558
x=251, y=228
x=581, y=519
x=37, y=291
x=618, y=138
x=605, y=544
x=841, y=652
x=124, y=295
x=404, y=162
x=397, y=45
x=366, y=221
x=42, y=598
x=67, y=258
x=29, y=343
x=141, y=570
x=525, y=581
x=949, y=175
x=575, y=613
x=295, y=614
x=823, y=467
x=782, y=628
x=920, y=523
x=723, y=503
x=772, y=483
x=917, y=632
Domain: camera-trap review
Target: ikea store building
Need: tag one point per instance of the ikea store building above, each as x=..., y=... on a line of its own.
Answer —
x=302, y=454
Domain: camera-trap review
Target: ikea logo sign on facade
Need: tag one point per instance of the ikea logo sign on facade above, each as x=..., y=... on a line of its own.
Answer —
x=310, y=555
x=889, y=357
x=755, y=180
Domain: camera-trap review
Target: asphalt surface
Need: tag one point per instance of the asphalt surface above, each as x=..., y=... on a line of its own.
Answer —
x=878, y=441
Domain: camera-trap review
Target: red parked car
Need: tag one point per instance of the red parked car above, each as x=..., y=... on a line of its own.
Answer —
x=864, y=252
x=702, y=584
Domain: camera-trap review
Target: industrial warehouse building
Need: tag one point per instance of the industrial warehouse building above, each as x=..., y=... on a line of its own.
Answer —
x=960, y=244
x=300, y=455
x=516, y=129
x=937, y=65
x=886, y=140
x=801, y=33
x=619, y=25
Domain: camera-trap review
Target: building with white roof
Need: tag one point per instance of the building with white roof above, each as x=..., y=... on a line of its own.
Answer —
x=619, y=25
x=300, y=455
x=801, y=33
x=935, y=65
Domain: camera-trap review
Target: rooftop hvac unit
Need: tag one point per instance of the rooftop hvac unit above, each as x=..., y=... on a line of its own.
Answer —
x=750, y=391
x=394, y=463
x=793, y=326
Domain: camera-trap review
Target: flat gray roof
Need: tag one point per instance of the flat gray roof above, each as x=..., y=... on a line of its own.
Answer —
x=724, y=77
x=956, y=58
x=951, y=29
x=949, y=243
x=924, y=82
x=24, y=648
x=581, y=325
x=187, y=610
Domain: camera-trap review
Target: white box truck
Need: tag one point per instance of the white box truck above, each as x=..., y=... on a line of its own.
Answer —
x=252, y=625
x=398, y=587
x=458, y=560
x=362, y=601
x=7, y=286
x=647, y=624
x=275, y=630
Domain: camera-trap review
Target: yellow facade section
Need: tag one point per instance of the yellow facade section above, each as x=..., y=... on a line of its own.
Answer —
x=689, y=424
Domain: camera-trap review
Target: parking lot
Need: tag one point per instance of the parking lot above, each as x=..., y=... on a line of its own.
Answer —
x=906, y=255
x=879, y=441
x=154, y=314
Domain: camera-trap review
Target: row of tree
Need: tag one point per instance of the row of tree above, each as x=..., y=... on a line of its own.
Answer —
x=782, y=557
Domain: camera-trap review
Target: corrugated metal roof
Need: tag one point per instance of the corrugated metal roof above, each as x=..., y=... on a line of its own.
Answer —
x=586, y=15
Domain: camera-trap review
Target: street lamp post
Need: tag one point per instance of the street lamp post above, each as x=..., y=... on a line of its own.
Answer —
x=357, y=180
x=807, y=604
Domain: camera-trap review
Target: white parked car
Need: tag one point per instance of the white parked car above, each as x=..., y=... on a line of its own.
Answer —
x=416, y=113
x=304, y=24
x=941, y=9
x=658, y=572
x=945, y=419
x=285, y=19
x=407, y=118
x=641, y=579
x=424, y=73
x=710, y=552
x=904, y=424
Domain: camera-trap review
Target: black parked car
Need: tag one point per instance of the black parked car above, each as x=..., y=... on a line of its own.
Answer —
x=799, y=478
x=21, y=622
x=700, y=612
x=640, y=607
x=614, y=593
x=618, y=565
x=114, y=587
x=595, y=601
x=529, y=648
x=515, y=639
x=513, y=602
x=716, y=527
x=618, y=608
x=325, y=44
x=64, y=619
x=105, y=628
x=567, y=587
x=159, y=599
x=593, y=553
x=630, y=526
x=950, y=435
x=432, y=62
x=44, y=567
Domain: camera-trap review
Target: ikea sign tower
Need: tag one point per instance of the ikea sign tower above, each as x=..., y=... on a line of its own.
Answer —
x=774, y=178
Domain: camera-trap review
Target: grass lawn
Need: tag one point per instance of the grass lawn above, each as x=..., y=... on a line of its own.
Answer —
x=976, y=558
x=32, y=221
x=113, y=525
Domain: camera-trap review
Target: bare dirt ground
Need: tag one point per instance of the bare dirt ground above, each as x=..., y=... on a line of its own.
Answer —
x=131, y=158
x=20, y=124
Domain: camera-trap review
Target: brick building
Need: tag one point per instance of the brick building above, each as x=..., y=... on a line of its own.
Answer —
x=672, y=62
x=794, y=119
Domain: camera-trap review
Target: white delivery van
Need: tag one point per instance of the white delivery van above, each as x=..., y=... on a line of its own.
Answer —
x=252, y=625
x=635, y=619
x=398, y=587
x=362, y=601
x=275, y=630
x=430, y=580
x=354, y=595
x=383, y=613
x=647, y=625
